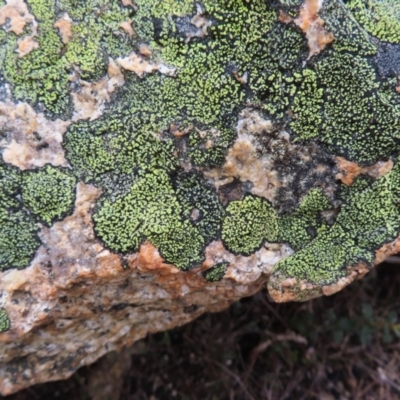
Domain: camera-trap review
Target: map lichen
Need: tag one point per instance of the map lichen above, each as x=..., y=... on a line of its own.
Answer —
x=4, y=321
x=171, y=123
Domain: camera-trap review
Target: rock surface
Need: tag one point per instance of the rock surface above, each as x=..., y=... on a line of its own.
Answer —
x=163, y=159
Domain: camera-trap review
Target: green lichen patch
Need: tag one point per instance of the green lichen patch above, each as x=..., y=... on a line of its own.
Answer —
x=370, y=218
x=42, y=76
x=181, y=245
x=348, y=34
x=18, y=231
x=307, y=106
x=5, y=323
x=381, y=18
x=249, y=222
x=245, y=58
x=10, y=180
x=121, y=151
x=18, y=239
x=149, y=211
x=274, y=81
x=49, y=193
x=306, y=222
x=116, y=144
x=200, y=206
x=350, y=89
x=203, y=155
x=216, y=273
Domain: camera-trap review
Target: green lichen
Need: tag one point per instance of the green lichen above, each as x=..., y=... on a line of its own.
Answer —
x=247, y=58
x=381, y=18
x=18, y=239
x=274, y=83
x=18, y=231
x=200, y=205
x=350, y=89
x=5, y=323
x=204, y=94
x=42, y=76
x=307, y=106
x=306, y=222
x=149, y=211
x=369, y=218
x=116, y=144
x=10, y=181
x=249, y=222
x=198, y=152
x=348, y=34
x=216, y=273
x=49, y=193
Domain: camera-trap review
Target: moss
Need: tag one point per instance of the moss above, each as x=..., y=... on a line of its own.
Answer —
x=49, y=193
x=249, y=222
x=305, y=223
x=381, y=18
x=216, y=273
x=4, y=321
x=369, y=219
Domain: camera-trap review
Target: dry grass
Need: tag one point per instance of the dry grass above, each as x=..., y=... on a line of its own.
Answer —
x=343, y=347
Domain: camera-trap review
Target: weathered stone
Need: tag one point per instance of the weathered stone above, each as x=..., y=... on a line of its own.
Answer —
x=164, y=159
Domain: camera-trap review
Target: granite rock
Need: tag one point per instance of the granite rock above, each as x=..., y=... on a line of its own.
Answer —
x=160, y=160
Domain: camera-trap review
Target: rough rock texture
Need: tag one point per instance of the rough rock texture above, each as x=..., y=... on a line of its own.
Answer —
x=164, y=159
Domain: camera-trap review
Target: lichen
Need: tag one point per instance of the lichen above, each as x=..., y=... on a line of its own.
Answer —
x=18, y=240
x=276, y=69
x=149, y=211
x=249, y=222
x=18, y=231
x=350, y=89
x=348, y=34
x=121, y=150
x=381, y=18
x=307, y=106
x=42, y=76
x=48, y=193
x=161, y=133
x=4, y=321
x=200, y=206
x=10, y=181
x=216, y=273
x=369, y=218
x=306, y=222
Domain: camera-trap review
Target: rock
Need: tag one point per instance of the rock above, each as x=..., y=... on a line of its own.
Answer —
x=160, y=160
